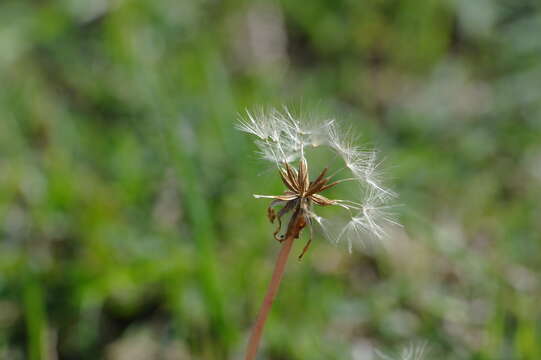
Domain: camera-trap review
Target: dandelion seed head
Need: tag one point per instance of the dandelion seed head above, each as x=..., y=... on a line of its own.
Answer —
x=283, y=138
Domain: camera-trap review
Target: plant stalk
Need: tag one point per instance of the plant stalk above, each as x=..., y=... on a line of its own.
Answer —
x=257, y=330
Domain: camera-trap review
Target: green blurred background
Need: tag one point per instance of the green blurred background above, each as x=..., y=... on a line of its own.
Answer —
x=127, y=225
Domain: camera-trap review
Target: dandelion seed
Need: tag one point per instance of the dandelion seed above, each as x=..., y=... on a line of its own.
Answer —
x=412, y=352
x=284, y=140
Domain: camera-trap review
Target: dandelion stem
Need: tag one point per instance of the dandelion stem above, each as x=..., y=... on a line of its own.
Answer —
x=277, y=275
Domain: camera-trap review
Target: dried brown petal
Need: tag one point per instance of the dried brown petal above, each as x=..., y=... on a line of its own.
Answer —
x=303, y=176
x=321, y=200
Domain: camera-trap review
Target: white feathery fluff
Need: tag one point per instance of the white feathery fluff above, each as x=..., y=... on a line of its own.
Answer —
x=284, y=138
x=412, y=352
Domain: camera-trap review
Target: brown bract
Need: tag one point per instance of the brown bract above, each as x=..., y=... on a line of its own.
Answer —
x=299, y=198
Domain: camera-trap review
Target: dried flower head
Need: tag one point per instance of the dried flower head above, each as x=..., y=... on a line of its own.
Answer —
x=287, y=141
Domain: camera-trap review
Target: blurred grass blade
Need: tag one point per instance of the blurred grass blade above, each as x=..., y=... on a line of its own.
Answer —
x=34, y=310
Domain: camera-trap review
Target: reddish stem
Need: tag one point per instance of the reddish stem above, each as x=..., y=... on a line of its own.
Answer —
x=277, y=275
